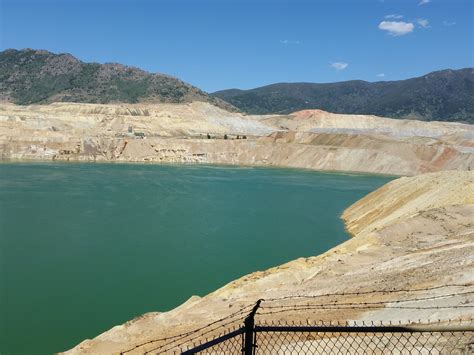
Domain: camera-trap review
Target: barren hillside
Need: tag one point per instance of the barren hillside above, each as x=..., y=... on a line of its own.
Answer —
x=178, y=133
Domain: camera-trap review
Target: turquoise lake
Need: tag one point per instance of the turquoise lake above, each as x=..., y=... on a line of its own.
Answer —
x=85, y=247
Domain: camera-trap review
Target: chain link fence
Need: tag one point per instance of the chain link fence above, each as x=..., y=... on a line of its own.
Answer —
x=255, y=328
x=344, y=340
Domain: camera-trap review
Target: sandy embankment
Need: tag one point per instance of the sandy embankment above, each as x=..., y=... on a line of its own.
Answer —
x=310, y=139
x=412, y=233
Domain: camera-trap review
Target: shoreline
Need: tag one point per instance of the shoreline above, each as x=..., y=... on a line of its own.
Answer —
x=196, y=164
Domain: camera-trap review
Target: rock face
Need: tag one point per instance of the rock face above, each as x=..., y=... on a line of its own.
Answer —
x=414, y=233
x=166, y=133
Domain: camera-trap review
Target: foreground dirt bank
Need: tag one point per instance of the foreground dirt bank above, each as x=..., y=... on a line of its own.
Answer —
x=414, y=233
x=169, y=133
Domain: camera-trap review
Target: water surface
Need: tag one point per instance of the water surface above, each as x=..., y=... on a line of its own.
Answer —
x=85, y=247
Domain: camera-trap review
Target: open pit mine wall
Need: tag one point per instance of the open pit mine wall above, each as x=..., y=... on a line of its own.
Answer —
x=412, y=233
x=318, y=151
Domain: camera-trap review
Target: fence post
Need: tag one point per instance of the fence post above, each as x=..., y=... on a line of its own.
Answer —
x=249, y=326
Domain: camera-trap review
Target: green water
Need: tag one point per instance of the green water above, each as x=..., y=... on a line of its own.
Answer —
x=85, y=247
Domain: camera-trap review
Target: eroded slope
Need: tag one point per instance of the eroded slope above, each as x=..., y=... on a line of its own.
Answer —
x=178, y=133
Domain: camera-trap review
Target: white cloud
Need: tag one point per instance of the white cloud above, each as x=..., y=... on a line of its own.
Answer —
x=423, y=22
x=287, y=41
x=396, y=28
x=423, y=2
x=381, y=75
x=339, y=65
x=449, y=23
x=394, y=16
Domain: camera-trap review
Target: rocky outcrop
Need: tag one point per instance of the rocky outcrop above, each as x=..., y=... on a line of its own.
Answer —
x=179, y=134
x=413, y=233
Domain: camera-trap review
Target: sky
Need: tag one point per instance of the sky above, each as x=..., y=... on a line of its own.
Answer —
x=222, y=44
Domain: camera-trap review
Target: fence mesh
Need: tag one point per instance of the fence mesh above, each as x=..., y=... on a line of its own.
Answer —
x=374, y=340
x=344, y=342
x=233, y=345
x=363, y=343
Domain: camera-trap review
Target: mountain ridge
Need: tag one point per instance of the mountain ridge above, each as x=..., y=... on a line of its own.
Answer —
x=444, y=95
x=29, y=76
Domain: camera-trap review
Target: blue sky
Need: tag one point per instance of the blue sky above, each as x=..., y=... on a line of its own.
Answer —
x=220, y=44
